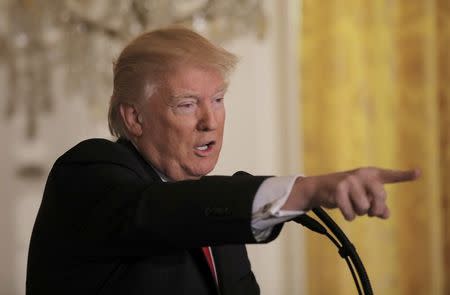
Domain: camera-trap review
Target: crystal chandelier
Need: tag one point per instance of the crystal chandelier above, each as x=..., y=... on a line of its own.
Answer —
x=46, y=45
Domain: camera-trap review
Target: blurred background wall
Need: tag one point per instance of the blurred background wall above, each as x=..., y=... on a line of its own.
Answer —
x=55, y=81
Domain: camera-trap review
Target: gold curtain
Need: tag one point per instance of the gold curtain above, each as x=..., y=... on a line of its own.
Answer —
x=375, y=91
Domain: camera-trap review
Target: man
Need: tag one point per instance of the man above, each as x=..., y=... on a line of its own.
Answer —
x=139, y=216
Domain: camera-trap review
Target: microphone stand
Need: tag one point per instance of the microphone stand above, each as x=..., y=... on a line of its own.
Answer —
x=346, y=249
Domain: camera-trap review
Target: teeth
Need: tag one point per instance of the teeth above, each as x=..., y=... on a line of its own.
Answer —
x=202, y=148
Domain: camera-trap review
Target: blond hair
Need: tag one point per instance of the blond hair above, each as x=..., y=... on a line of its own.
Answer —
x=143, y=64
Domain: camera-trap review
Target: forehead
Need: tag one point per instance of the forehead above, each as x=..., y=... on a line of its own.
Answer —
x=195, y=80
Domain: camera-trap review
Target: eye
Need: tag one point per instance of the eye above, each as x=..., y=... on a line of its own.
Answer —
x=186, y=107
x=218, y=100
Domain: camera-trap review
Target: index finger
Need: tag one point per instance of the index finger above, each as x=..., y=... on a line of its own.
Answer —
x=393, y=176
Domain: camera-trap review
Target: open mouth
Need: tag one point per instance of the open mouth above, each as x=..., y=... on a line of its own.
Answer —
x=206, y=146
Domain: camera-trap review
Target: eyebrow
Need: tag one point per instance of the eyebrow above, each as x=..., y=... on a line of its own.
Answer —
x=188, y=94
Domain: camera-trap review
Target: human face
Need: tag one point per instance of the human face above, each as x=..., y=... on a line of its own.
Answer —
x=182, y=123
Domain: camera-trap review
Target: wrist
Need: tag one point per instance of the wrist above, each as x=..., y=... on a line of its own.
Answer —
x=301, y=195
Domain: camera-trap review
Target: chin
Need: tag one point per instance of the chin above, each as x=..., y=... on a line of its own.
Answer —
x=204, y=172
x=204, y=169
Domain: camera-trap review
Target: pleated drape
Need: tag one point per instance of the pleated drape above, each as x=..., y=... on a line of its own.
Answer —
x=375, y=91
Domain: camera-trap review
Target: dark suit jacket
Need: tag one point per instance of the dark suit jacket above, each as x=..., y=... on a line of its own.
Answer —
x=109, y=225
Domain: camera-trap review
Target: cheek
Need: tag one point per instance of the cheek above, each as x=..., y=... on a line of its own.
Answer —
x=181, y=137
x=220, y=117
x=169, y=130
x=222, y=125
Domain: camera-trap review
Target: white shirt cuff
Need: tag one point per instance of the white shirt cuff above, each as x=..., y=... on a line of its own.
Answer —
x=272, y=194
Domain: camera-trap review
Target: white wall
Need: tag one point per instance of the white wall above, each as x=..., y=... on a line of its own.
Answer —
x=262, y=134
x=261, y=137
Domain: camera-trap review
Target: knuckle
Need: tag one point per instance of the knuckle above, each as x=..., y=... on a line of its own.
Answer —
x=385, y=213
x=362, y=209
x=340, y=200
x=363, y=171
x=341, y=187
x=360, y=171
x=351, y=178
x=345, y=213
x=378, y=211
x=371, y=168
x=349, y=216
x=349, y=181
x=379, y=194
x=342, y=205
x=359, y=213
x=365, y=206
x=370, y=173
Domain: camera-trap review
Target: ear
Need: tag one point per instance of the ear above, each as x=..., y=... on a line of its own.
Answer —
x=131, y=119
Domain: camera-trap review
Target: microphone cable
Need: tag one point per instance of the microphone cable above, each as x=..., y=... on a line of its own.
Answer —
x=345, y=248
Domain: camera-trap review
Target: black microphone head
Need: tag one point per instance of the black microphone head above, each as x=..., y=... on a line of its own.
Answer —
x=242, y=173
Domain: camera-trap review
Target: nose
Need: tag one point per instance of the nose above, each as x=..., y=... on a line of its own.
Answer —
x=207, y=118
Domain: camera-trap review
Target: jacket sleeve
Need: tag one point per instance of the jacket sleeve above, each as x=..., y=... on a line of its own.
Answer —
x=106, y=209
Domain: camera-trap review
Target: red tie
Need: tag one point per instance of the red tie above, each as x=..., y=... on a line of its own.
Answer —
x=210, y=260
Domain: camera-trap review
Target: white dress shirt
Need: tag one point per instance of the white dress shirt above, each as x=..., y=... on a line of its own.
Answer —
x=271, y=195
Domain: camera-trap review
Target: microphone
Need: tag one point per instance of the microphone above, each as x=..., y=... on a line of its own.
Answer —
x=310, y=223
x=346, y=249
x=242, y=173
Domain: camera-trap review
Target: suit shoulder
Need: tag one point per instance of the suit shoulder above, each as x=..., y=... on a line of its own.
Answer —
x=96, y=150
x=99, y=151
